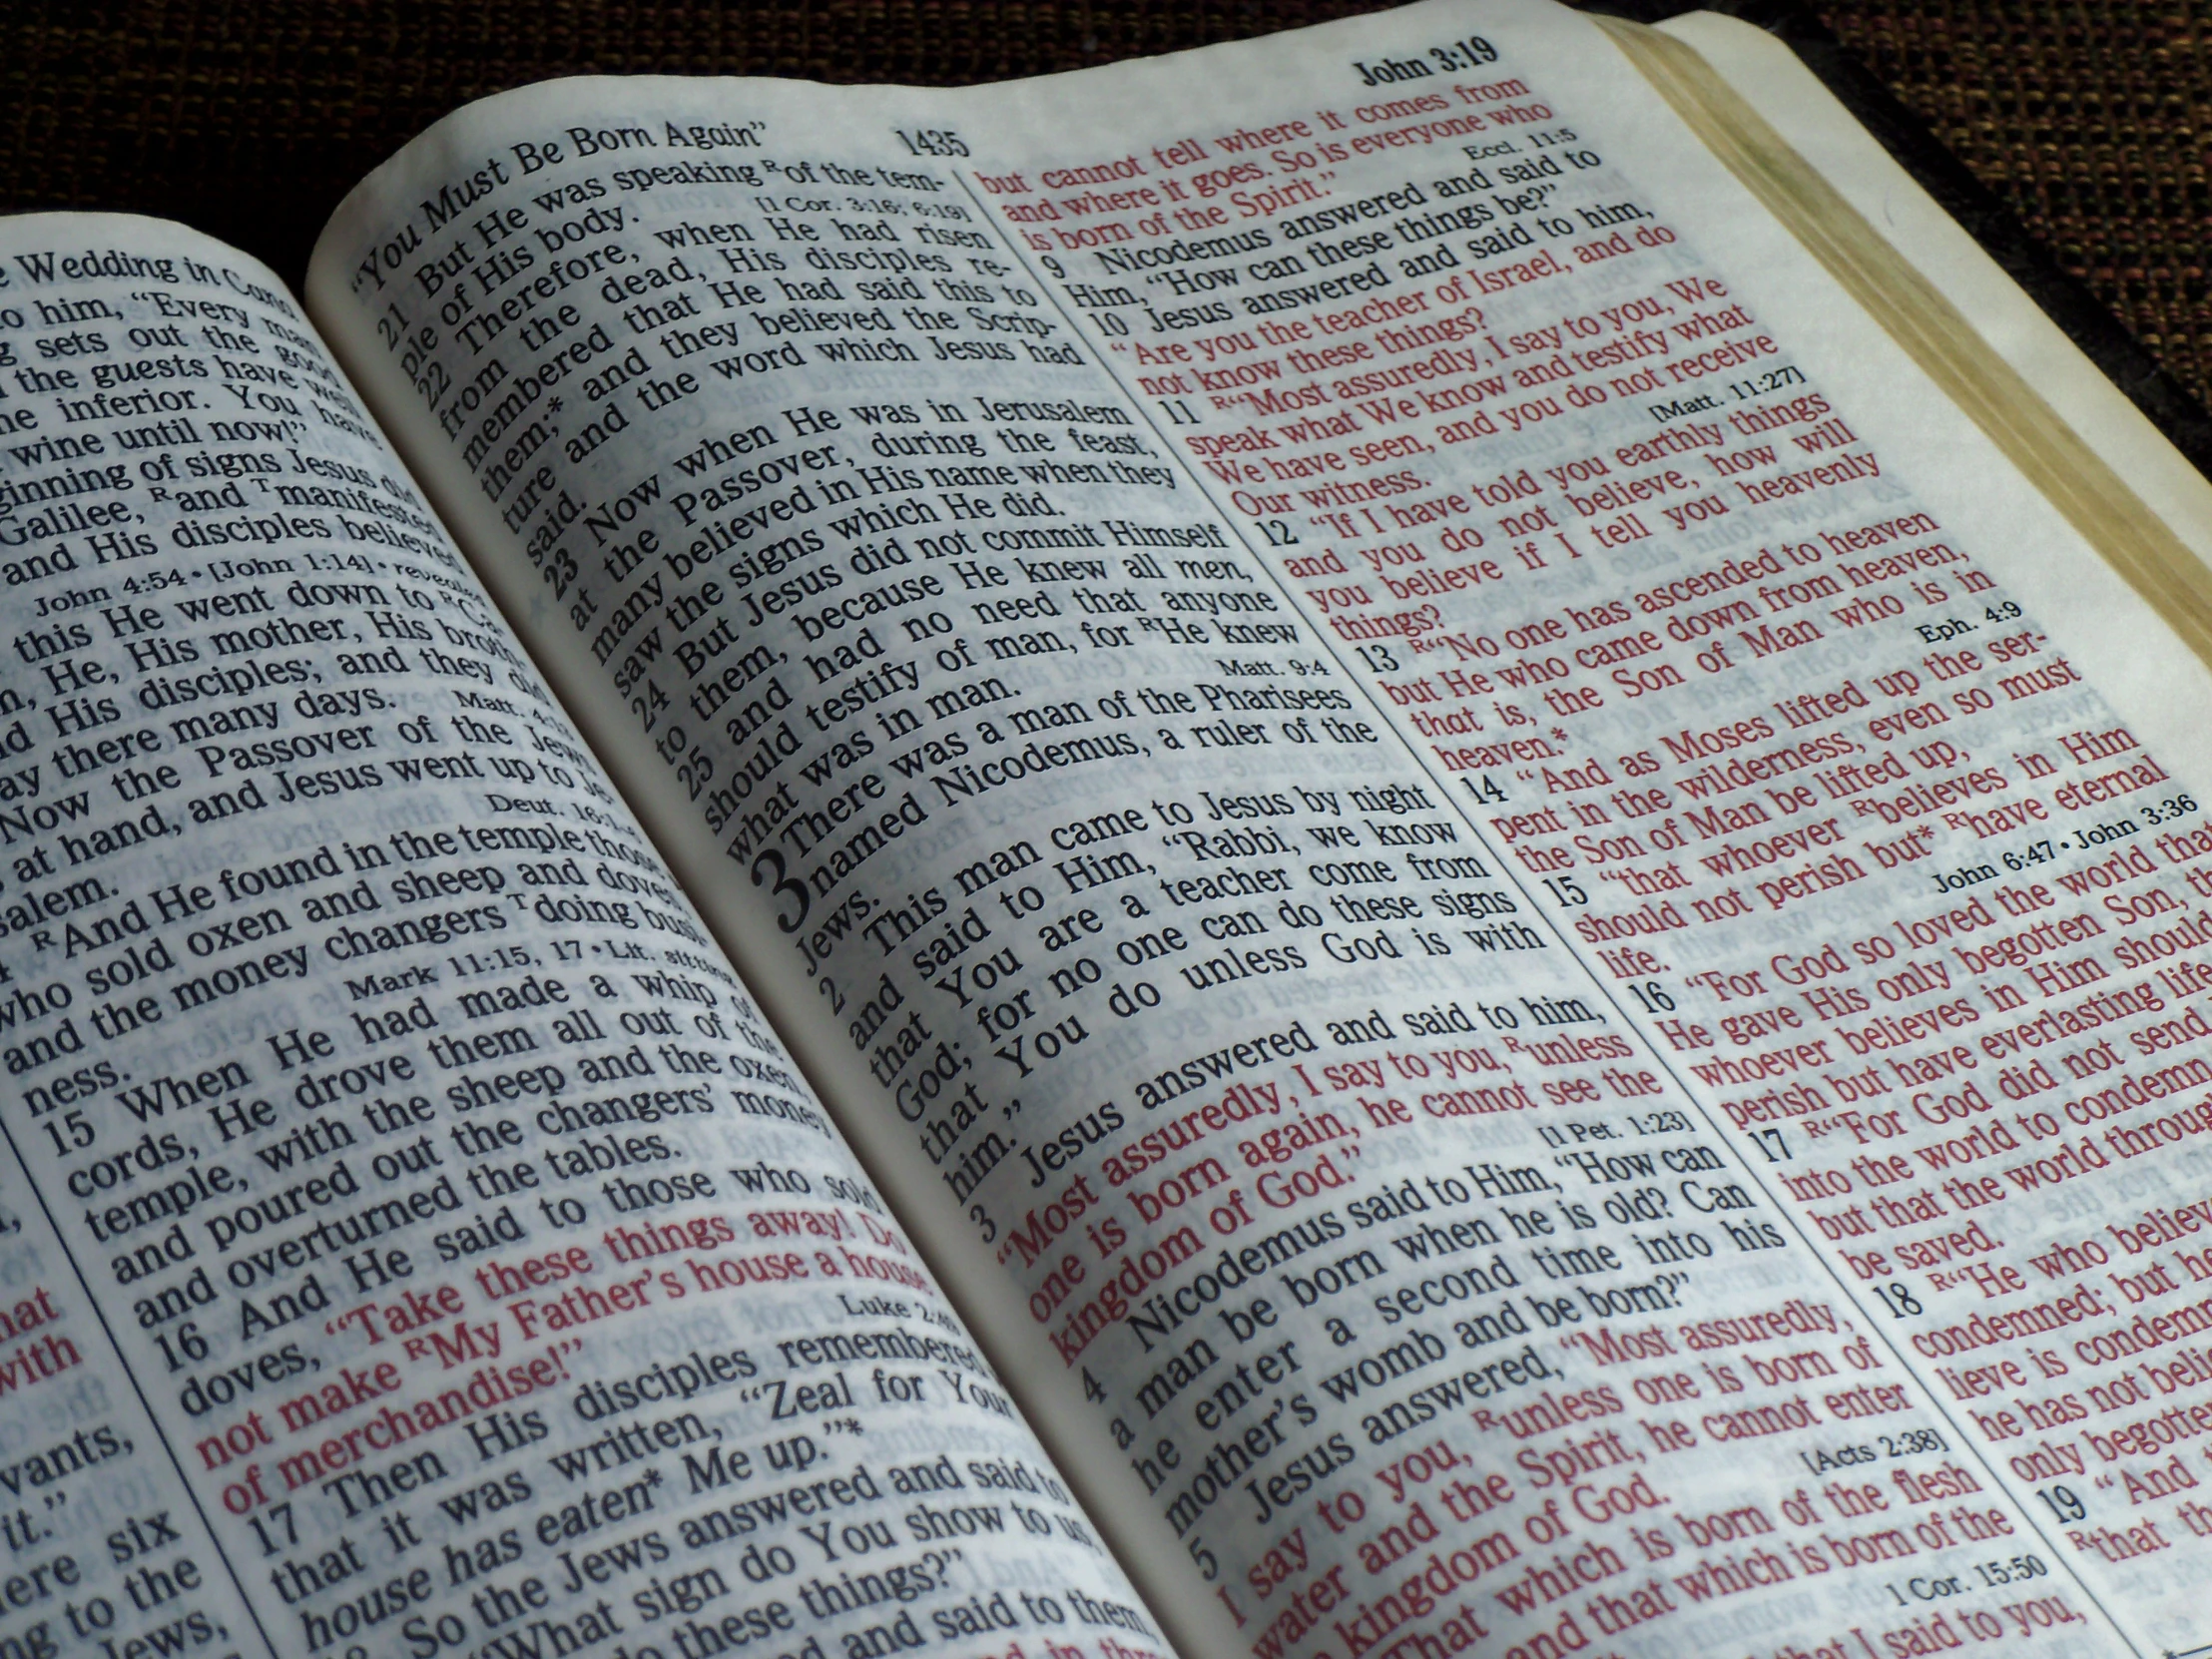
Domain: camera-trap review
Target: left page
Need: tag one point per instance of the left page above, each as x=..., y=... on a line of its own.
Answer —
x=413, y=1241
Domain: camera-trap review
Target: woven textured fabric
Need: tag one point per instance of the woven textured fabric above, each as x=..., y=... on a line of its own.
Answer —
x=2093, y=120
x=250, y=117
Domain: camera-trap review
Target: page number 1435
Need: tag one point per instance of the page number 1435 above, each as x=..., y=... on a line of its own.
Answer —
x=932, y=140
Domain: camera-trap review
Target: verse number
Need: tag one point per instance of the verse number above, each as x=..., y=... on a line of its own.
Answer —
x=432, y=381
x=276, y=1530
x=188, y=1348
x=2064, y=1503
x=697, y=772
x=932, y=140
x=1565, y=889
x=393, y=328
x=72, y=1134
x=1774, y=1144
x=557, y=569
x=1898, y=1299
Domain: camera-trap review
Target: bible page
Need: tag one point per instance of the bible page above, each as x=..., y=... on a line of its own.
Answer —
x=1520, y=924
x=416, y=1242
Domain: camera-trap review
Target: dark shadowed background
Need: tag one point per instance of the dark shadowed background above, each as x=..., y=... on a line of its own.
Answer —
x=2090, y=120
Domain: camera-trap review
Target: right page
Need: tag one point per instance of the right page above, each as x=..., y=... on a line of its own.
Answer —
x=1528, y=929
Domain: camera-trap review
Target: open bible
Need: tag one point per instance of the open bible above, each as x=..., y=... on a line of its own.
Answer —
x=1375, y=846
